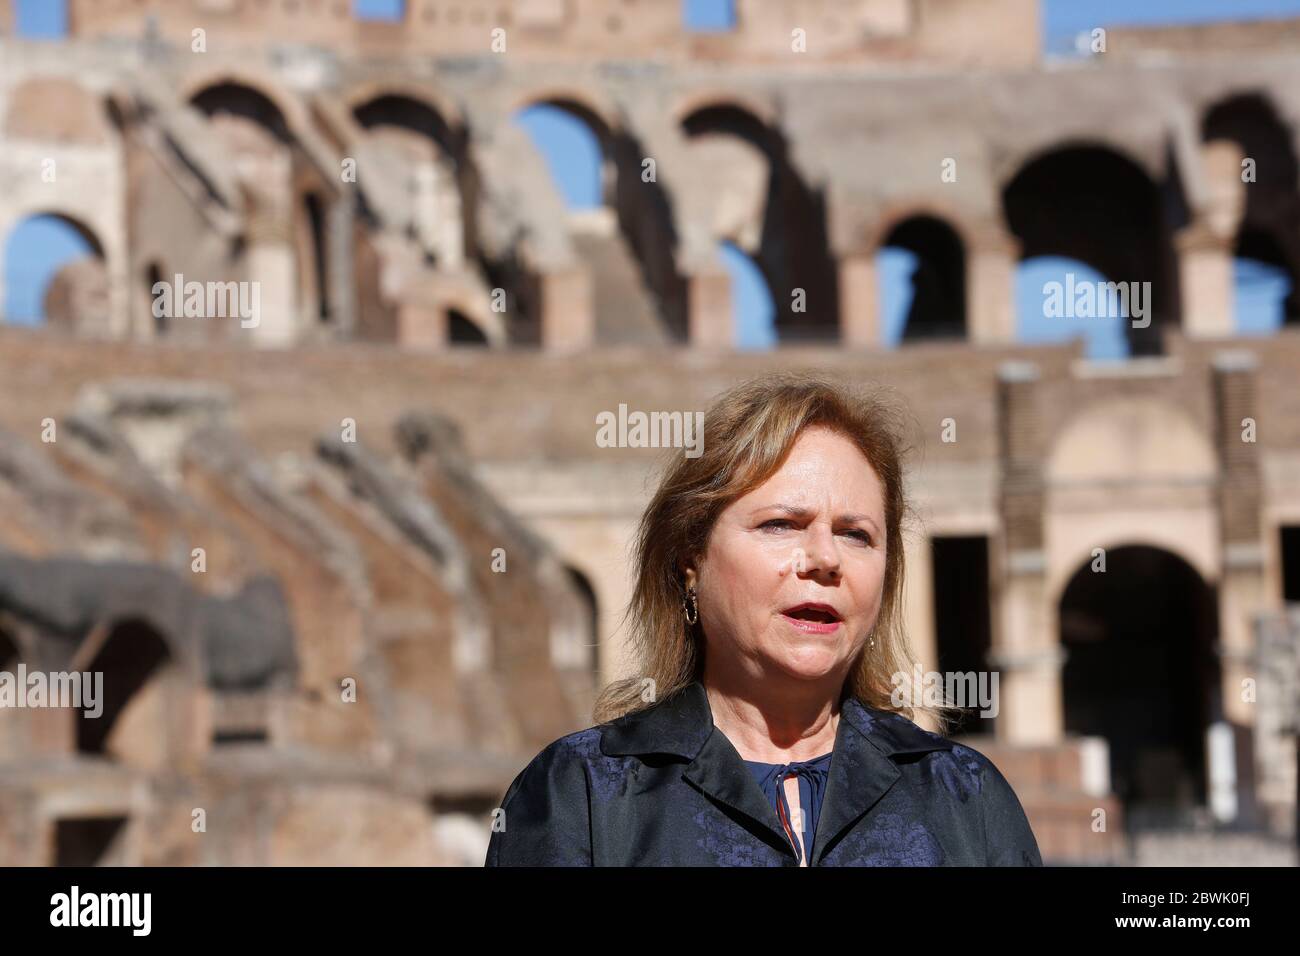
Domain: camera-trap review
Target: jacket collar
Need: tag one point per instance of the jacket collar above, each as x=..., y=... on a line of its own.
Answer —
x=862, y=770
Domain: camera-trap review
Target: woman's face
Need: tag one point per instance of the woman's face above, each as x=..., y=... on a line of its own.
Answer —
x=814, y=532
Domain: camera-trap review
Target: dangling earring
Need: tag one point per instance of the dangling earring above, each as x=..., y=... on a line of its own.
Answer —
x=694, y=606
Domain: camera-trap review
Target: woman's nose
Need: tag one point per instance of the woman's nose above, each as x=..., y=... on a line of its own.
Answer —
x=821, y=553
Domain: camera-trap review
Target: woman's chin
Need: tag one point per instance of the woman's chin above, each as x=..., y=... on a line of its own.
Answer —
x=813, y=665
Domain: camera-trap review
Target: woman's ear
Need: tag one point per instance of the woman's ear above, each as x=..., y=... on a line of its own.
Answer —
x=687, y=568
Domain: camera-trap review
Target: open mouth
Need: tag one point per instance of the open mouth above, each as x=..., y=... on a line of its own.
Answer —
x=813, y=613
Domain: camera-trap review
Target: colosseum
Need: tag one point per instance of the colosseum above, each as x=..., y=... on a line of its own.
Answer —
x=347, y=567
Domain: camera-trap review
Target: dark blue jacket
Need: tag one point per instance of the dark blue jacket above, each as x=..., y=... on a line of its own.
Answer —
x=664, y=787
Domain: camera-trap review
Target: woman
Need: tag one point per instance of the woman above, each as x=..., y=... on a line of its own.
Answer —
x=759, y=730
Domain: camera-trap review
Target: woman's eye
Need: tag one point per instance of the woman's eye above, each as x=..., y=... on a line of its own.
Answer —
x=776, y=523
x=863, y=536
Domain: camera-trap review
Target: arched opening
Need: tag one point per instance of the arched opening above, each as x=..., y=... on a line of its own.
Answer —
x=1267, y=247
x=463, y=331
x=575, y=144
x=709, y=16
x=8, y=650
x=930, y=302
x=237, y=110
x=55, y=274
x=1111, y=218
x=314, y=276
x=1263, y=287
x=382, y=11
x=132, y=658
x=13, y=724
x=40, y=19
x=963, y=620
x=1048, y=290
x=153, y=275
x=619, y=220
x=440, y=181
x=591, y=611
x=753, y=311
x=789, y=240
x=261, y=149
x=1141, y=671
x=399, y=111
x=91, y=841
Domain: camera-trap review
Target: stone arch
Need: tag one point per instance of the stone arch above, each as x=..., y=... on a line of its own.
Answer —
x=600, y=114
x=98, y=254
x=1141, y=671
x=1048, y=142
x=792, y=246
x=762, y=110
x=1269, y=230
x=287, y=114
x=1129, y=443
x=428, y=131
x=636, y=252
x=134, y=658
x=463, y=331
x=247, y=101
x=485, y=323
x=597, y=118
x=1112, y=219
x=70, y=218
x=375, y=91
x=57, y=109
x=258, y=130
x=939, y=307
x=418, y=114
x=590, y=605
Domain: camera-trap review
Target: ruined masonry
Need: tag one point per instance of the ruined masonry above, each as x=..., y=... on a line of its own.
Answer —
x=308, y=655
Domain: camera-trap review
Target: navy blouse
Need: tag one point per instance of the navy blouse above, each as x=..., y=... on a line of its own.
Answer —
x=812, y=775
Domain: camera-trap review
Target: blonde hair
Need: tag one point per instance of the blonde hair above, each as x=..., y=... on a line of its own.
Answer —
x=748, y=432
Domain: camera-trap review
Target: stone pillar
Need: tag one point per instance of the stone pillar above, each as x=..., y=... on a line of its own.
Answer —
x=1205, y=247
x=567, y=308
x=421, y=325
x=271, y=264
x=1026, y=643
x=1242, y=587
x=711, y=323
x=339, y=225
x=119, y=294
x=860, y=301
x=1205, y=282
x=991, y=289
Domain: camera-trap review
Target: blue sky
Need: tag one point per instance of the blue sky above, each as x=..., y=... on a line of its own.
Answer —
x=36, y=250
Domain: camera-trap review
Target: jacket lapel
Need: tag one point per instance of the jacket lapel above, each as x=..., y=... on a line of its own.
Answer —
x=682, y=725
x=864, y=767
x=862, y=770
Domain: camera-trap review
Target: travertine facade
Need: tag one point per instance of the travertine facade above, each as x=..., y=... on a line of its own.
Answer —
x=424, y=291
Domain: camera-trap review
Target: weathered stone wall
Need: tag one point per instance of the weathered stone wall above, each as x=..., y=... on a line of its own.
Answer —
x=373, y=560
